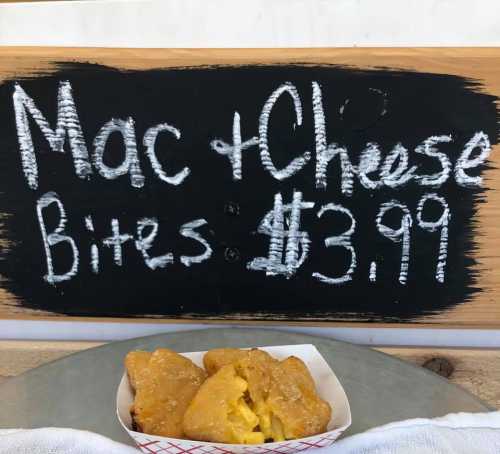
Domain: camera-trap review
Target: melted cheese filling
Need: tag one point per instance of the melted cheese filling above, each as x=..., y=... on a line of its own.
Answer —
x=253, y=422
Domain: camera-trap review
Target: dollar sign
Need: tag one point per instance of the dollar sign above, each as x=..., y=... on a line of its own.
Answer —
x=283, y=259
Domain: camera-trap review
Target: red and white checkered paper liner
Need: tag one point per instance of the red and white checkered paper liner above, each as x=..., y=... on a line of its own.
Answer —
x=328, y=386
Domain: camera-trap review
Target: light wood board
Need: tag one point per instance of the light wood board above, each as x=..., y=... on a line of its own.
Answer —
x=483, y=310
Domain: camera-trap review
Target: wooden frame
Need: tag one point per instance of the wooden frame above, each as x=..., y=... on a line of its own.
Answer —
x=476, y=63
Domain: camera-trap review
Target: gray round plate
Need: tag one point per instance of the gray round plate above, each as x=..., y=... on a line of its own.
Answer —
x=79, y=391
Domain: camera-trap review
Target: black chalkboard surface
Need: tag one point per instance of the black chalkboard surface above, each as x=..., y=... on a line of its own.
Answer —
x=288, y=190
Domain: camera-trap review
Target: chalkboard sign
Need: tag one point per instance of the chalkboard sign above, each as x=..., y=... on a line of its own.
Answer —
x=319, y=186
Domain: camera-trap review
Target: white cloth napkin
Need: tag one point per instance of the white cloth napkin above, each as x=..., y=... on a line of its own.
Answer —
x=59, y=441
x=462, y=433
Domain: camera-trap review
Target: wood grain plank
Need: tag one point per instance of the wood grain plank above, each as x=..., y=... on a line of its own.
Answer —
x=17, y=357
x=476, y=370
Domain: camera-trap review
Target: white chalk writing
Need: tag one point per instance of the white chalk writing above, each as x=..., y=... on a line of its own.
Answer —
x=145, y=242
x=432, y=226
x=273, y=224
x=402, y=234
x=94, y=251
x=297, y=163
x=150, y=141
x=116, y=241
x=130, y=163
x=479, y=140
x=56, y=237
x=427, y=148
x=188, y=230
x=325, y=153
x=342, y=240
x=234, y=151
x=340, y=171
x=68, y=124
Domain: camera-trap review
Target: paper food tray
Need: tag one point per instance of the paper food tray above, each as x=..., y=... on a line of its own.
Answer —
x=328, y=386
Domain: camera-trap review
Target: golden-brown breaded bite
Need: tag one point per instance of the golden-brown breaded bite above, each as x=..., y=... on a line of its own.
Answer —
x=256, y=368
x=214, y=359
x=136, y=364
x=165, y=392
x=283, y=396
x=296, y=408
x=220, y=413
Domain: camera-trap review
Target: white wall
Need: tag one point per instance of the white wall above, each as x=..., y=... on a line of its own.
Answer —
x=251, y=23
x=17, y=329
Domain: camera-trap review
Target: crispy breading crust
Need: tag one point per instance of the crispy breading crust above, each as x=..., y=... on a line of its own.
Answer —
x=136, y=364
x=281, y=394
x=214, y=359
x=165, y=390
x=219, y=412
x=294, y=401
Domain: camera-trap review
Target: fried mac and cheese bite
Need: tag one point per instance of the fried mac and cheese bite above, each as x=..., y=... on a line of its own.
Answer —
x=295, y=406
x=260, y=398
x=136, y=364
x=165, y=390
x=214, y=359
x=220, y=413
x=249, y=397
